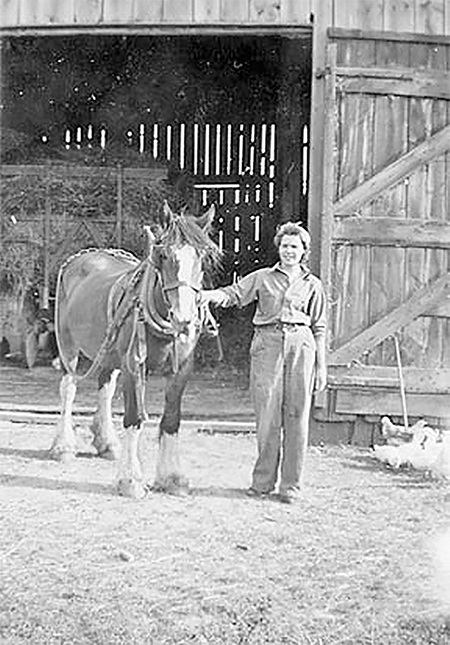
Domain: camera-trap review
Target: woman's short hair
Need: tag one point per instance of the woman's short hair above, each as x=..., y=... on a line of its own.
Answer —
x=294, y=228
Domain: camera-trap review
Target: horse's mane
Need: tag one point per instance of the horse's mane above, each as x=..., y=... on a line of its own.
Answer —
x=183, y=229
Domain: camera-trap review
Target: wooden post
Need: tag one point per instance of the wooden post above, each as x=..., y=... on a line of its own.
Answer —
x=401, y=381
x=323, y=17
x=327, y=213
x=119, y=205
x=46, y=249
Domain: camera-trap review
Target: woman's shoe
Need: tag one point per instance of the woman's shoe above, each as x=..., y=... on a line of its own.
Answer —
x=259, y=494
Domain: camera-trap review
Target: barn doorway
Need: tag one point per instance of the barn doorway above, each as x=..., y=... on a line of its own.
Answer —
x=229, y=113
x=232, y=112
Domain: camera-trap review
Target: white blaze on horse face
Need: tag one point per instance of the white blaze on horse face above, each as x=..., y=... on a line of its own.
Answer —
x=189, y=276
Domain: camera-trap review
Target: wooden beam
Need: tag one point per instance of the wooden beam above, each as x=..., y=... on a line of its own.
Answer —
x=390, y=175
x=421, y=86
x=359, y=34
x=119, y=206
x=82, y=171
x=416, y=379
x=391, y=231
x=381, y=403
x=441, y=309
x=399, y=73
x=322, y=15
x=329, y=156
x=421, y=301
x=164, y=29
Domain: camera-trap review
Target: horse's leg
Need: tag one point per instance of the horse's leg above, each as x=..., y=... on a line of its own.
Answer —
x=64, y=443
x=168, y=469
x=130, y=479
x=105, y=440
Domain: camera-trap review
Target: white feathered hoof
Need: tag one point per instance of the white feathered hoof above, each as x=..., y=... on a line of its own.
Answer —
x=62, y=453
x=177, y=485
x=132, y=488
x=110, y=453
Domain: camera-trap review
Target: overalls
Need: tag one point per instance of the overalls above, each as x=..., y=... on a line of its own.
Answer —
x=282, y=378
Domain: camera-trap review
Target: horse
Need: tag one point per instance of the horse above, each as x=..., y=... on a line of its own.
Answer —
x=134, y=317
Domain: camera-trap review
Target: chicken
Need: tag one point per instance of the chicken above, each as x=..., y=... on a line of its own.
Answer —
x=421, y=451
x=396, y=435
x=429, y=449
x=441, y=467
x=388, y=455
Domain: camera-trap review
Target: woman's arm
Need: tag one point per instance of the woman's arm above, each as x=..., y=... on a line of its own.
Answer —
x=216, y=297
x=319, y=328
x=321, y=365
x=239, y=294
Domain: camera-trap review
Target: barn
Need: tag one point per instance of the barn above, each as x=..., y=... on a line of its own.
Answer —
x=334, y=112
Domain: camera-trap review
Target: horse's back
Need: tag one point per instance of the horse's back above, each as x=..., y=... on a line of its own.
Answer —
x=83, y=294
x=106, y=264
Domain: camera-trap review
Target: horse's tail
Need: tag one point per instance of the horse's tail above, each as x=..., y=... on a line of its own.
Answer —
x=60, y=333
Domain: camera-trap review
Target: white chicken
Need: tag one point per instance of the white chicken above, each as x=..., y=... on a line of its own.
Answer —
x=394, y=434
x=441, y=466
x=428, y=451
x=421, y=451
x=388, y=455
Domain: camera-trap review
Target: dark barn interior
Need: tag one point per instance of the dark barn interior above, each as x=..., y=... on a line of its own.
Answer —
x=229, y=115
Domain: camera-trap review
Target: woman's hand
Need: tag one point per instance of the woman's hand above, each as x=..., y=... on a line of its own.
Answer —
x=213, y=296
x=321, y=379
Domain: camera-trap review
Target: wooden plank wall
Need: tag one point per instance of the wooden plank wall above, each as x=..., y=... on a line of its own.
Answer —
x=372, y=280
x=417, y=16
x=138, y=12
x=430, y=16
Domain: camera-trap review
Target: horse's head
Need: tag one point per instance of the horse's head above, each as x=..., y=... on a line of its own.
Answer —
x=179, y=252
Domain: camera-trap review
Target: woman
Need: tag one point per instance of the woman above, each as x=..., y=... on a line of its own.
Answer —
x=287, y=358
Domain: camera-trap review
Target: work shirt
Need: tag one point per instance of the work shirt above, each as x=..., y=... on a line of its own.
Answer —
x=280, y=298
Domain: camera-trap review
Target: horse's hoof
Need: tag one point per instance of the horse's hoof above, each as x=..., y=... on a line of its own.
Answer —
x=62, y=455
x=131, y=488
x=110, y=454
x=176, y=485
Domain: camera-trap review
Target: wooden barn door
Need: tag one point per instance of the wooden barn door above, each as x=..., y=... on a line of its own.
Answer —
x=385, y=248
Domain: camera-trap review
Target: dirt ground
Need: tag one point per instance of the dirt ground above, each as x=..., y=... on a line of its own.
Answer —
x=363, y=558
x=207, y=396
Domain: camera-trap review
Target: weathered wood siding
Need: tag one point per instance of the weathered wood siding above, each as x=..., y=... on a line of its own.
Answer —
x=421, y=16
x=385, y=223
x=400, y=240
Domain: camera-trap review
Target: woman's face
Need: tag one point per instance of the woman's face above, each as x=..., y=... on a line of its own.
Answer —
x=291, y=250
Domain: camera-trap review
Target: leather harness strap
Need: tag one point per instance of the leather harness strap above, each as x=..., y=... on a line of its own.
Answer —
x=138, y=296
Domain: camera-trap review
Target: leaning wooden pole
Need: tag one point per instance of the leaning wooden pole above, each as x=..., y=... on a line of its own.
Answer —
x=401, y=382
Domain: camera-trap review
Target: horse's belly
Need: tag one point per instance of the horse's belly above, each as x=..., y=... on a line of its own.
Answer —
x=87, y=288
x=87, y=318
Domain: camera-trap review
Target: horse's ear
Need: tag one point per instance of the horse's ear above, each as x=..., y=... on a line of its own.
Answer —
x=150, y=238
x=167, y=214
x=205, y=221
